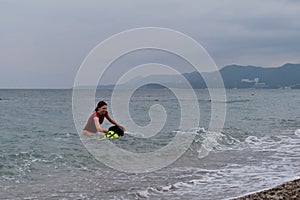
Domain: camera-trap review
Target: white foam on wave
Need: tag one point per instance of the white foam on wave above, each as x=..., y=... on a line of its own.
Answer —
x=190, y=178
x=143, y=193
x=165, y=189
x=134, y=134
x=257, y=162
x=210, y=141
x=262, y=161
x=217, y=137
x=233, y=178
x=224, y=142
x=252, y=140
x=176, y=189
x=297, y=132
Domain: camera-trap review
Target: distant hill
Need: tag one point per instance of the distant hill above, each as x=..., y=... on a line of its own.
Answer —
x=234, y=76
x=287, y=75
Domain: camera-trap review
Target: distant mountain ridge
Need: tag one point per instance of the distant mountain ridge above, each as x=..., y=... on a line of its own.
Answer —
x=287, y=75
x=234, y=76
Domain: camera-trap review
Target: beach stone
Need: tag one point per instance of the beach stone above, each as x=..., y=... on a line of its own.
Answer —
x=286, y=191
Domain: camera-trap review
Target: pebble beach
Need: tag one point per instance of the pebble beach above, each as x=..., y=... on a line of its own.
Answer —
x=289, y=190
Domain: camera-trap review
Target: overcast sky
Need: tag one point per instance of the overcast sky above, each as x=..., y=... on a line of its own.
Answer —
x=44, y=42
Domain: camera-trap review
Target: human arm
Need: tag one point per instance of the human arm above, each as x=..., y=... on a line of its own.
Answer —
x=114, y=122
x=98, y=127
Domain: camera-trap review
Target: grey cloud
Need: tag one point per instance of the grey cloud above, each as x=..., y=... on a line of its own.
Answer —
x=48, y=36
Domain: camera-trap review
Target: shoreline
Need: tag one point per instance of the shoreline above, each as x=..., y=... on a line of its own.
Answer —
x=288, y=190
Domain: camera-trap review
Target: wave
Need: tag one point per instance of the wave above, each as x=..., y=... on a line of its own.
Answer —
x=206, y=141
x=223, y=141
x=22, y=163
x=297, y=132
x=178, y=187
x=247, y=166
x=220, y=137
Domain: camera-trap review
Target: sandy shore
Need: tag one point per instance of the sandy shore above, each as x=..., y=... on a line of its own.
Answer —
x=289, y=191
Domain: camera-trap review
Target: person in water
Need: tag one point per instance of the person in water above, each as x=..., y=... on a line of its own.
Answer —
x=96, y=119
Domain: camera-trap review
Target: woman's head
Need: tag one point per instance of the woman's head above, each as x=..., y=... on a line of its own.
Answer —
x=101, y=106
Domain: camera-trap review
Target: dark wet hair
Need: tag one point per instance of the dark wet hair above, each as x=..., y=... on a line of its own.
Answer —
x=100, y=104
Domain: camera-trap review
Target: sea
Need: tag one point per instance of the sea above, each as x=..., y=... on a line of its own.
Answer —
x=42, y=155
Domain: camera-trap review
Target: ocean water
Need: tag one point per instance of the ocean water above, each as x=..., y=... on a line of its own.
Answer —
x=43, y=157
